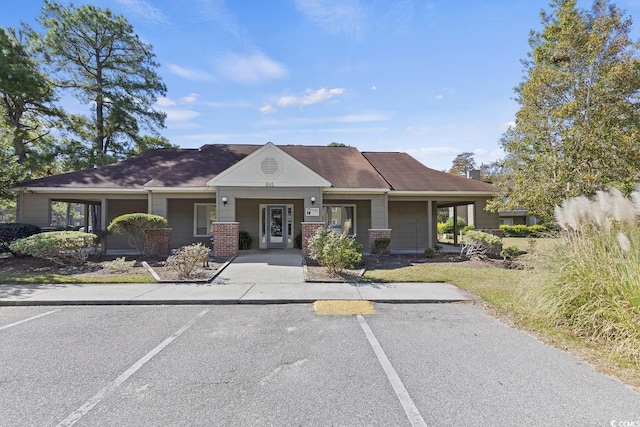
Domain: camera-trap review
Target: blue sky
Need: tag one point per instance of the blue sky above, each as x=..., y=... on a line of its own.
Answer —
x=429, y=78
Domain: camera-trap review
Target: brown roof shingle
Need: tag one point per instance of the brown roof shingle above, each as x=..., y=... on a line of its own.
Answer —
x=404, y=173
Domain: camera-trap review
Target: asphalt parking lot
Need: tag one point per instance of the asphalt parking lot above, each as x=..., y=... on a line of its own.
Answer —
x=237, y=365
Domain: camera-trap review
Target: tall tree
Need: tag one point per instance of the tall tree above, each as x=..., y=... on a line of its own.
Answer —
x=98, y=56
x=577, y=128
x=27, y=111
x=463, y=164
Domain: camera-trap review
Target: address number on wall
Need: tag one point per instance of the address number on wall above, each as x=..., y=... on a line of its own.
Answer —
x=270, y=184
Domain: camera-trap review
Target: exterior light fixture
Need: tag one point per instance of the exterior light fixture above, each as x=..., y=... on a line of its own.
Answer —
x=224, y=200
x=313, y=200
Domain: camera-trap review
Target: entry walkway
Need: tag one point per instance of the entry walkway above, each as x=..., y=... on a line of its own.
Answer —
x=254, y=277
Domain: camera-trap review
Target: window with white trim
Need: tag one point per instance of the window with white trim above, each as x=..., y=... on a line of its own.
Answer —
x=340, y=219
x=204, y=215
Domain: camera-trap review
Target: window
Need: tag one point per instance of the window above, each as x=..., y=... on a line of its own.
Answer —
x=340, y=219
x=204, y=216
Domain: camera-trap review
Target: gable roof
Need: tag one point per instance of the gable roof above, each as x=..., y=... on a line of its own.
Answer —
x=404, y=173
x=343, y=167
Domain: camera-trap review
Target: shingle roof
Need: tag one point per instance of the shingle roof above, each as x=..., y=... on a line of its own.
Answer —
x=404, y=173
x=344, y=167
x=131, y=173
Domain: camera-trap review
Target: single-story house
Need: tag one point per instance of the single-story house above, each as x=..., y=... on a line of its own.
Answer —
x=273, y=192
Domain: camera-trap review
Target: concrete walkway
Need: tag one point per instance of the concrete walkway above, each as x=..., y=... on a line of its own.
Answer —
x=254, y=277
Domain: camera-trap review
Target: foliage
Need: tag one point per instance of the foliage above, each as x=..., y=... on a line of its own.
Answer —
x=462, y=164
x=442, y=214
x=429, y=253
x=61, y=247
x=511, y=252
x=135, y=226
x=589, y=280
x=14, y=231
x=479, y=243
x=381, y=245
x=120, y=265
x=335, y=251
x=27, y=113
x=441, y=227
x=468, y=228
x=97, y=55
x=577, y=128
x=448, y=226
x=185, y=259
x=522, y=230
x=245, y=240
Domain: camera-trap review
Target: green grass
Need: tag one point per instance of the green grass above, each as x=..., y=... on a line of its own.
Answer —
x=39, y=278
x=509, y=294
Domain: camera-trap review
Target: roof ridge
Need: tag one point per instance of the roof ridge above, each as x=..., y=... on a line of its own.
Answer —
x=376, y=169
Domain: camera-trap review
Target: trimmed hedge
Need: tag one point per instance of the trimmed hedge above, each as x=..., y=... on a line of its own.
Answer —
x=135, y=227
x=61, y=247
x=521, y=230
x=9, y=233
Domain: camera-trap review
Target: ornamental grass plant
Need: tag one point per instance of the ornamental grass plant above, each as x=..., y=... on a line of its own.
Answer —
x=590, y=280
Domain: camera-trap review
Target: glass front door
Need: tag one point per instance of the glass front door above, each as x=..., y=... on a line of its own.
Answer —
x=276, y=230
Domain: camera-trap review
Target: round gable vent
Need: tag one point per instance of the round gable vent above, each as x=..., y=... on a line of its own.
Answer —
x=270, y=166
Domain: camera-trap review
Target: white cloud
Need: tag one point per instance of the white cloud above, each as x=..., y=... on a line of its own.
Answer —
x=165, y=102
x=240, y=103
x=267, y=109
x=189, y=74
x=190, y=99
x=250, y=69
x=335, y=16
x=374, y=88
x=143, y=10
x=310, y=97
x=180, y=115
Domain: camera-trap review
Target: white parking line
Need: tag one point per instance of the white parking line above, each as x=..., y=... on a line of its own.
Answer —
x=29, y=319
x=76, y=415
x=403, y=395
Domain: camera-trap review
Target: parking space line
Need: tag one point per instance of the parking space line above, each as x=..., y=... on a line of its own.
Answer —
x=403, y=395
x=29, y=319
x=76, y=415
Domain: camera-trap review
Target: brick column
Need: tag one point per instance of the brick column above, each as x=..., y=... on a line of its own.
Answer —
x=376, y=234
x=308, y=230
x=226, y=239
x=157, y=242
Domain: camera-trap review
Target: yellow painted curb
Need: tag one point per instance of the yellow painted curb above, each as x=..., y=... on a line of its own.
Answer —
x=343, y=307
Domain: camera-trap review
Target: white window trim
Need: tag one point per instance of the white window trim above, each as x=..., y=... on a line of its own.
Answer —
x=355, y=215
x=195, y=219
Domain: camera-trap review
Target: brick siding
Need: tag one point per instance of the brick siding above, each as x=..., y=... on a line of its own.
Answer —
x=225, y=239
x=376, y=234
x=157, y=242
x=308, y=230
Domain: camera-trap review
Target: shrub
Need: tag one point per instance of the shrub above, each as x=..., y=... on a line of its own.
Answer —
x=185, y=259
x=381, y=244
x=135, y=226
x=245, y=240
x=429, y=253
x=448, y=226
x=511, y=252
x=479, y=243
x=441, y=227
x=14, y=231
x=589, y=281
x=335, y=251
x=120, y=265
x=521, y=230
x=468, y=228
x=61, y=247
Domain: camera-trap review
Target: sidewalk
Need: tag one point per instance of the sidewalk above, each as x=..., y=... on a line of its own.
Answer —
x=222, y=293
x=254, y=277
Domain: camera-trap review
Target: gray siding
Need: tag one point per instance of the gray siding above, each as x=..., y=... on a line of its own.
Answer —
x=115, y=208
x=409, y=226
x=180, y=216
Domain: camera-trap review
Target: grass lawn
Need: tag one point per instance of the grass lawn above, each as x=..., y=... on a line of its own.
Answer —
x=505, y=293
